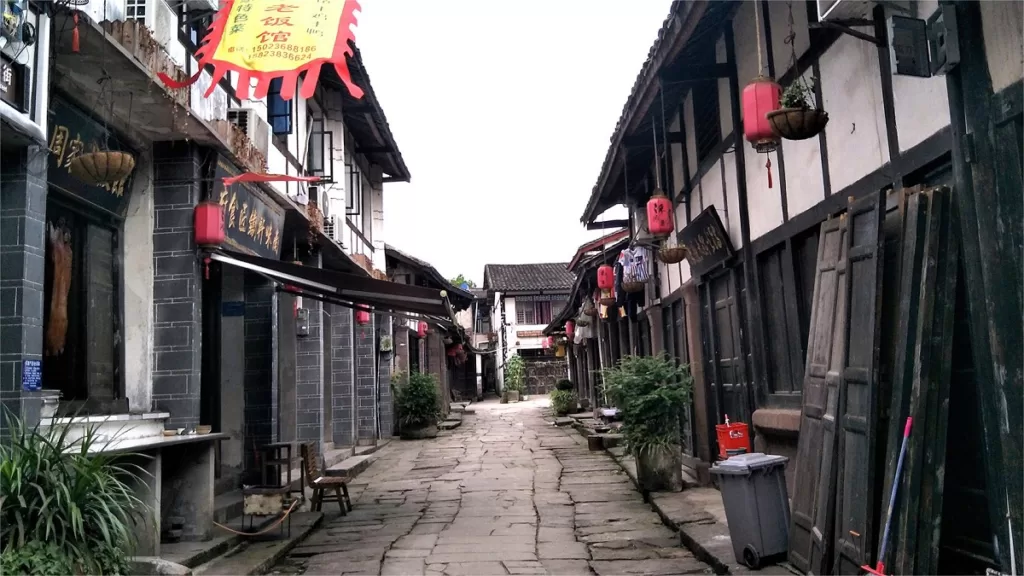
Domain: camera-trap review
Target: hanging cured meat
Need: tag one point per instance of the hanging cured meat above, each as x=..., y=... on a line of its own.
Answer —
x=60, y=256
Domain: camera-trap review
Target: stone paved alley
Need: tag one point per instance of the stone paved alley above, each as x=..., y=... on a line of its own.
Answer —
x=505, y=493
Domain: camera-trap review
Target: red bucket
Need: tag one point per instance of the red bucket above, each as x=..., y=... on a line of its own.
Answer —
x=733, y=439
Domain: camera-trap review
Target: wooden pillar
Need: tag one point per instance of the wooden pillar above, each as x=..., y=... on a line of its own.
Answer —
x=701, y=391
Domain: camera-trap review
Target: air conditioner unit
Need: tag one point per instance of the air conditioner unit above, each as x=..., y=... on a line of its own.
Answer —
x=256, y=128
x=332, y=229
x=855, y=9
x=322, y=199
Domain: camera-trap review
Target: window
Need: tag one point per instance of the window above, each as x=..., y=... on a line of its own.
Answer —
x=279, y=111
x=353, y=188
x=707, y=122
x=81, y=316
x=529, y=312
x=135, y=10
x=321, y=145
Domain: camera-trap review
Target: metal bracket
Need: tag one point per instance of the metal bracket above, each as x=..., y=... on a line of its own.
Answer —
x=844, y=26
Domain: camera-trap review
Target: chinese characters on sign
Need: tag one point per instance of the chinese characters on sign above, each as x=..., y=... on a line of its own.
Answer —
x=252, y=224
x=12, y=83
x=73, y=132
x=265, y=39
x=706, y=242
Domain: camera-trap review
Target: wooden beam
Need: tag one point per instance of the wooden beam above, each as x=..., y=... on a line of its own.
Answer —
x=695, y=74
x=608, y=224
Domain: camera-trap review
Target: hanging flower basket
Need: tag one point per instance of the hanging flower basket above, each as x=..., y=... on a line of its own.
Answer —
x=632, y=287
x=102, y=167
x=608, y=301
x=582, y=321
x=672, y=254
x=797, y=123
x=589, y=310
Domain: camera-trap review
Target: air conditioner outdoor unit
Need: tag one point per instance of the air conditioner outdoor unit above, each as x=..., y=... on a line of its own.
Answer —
x=256, y=128
x=833, y=10
x=331, y=229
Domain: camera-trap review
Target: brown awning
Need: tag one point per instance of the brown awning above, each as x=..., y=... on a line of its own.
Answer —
x=337, y=286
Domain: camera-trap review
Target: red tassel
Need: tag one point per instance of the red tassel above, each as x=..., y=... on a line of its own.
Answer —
x=769, y=167
x=75, y=44
x=206, y=266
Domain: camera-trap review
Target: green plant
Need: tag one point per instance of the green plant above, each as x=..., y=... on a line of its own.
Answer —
x=564, y=384
x=563, y=401
x=416, y=398
x=650, y=393
x=797, y=95
x=66, y=506
x=515, y=374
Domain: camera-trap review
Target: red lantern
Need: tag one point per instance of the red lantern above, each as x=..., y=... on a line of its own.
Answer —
x=421, y=329
x=759, y=98
x=362, y=315
x=605, y=277
x=570, y=328
x=659, y=214
x=209, y=224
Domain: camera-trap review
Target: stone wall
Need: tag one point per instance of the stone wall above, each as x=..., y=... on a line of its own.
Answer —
x=341, y=376
x=543, y=373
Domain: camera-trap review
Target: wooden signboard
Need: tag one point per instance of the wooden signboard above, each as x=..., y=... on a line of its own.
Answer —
x=706, y=241
x=253, y=223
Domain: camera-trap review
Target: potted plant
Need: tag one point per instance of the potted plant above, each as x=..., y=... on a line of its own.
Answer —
x=515, y=378
x=66, y=506
x=386, y=346
x=418, y=404
x=650, y=393
x=563, y=398
x=797, y=119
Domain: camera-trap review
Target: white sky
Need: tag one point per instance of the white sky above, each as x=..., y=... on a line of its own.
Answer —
x=503, y=112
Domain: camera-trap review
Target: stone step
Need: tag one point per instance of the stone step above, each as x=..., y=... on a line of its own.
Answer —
x=351, y=467
x=258, y=555
x=364, y=450
x=450, y=424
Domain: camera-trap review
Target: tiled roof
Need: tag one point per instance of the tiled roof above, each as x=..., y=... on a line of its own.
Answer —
x=514, y=277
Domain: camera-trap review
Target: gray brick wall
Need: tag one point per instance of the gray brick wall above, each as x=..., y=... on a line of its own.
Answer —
x=177, y=298
x=366, y=384
x=22, y=269
x=342, y=375
x=259, y=394
x=386, y=410
x=309, y=371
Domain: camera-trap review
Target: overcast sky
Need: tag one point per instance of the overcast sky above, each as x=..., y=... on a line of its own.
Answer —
x=503, y=112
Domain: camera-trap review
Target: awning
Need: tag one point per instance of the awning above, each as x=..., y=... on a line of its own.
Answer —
x=339, y=287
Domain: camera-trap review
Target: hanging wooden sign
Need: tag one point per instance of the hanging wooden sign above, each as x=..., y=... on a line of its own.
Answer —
x=706, y=241
x=266, y=39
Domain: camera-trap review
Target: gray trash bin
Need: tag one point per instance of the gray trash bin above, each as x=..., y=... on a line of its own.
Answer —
x=756, y=505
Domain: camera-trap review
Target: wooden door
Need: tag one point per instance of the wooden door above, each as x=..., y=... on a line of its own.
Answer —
x=858, y=399
x=810, y=530
x=728, y=384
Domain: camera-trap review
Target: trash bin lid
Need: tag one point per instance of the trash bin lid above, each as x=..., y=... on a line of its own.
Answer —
x=747, y=463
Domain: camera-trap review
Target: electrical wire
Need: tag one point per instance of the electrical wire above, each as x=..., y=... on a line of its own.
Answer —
x=264, y=530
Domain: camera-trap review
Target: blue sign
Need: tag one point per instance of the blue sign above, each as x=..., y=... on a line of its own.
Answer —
x=232, y=308
x=32, y=375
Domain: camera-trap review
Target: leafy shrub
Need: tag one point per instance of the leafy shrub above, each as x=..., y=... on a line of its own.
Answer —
x=515, y=374
x=416, y=398
x=564, y=384
x=563, y=401
x=65, y=507
x=650, y=393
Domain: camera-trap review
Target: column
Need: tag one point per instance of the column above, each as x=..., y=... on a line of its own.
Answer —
x=385, y=408
x=22, y=272
x=177, y=297
x=479, y=359
x=366, y=384
x=309, y=384
x=259, y=417
x=342, y=376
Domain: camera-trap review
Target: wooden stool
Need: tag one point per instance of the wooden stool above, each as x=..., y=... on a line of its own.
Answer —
x=319, y=483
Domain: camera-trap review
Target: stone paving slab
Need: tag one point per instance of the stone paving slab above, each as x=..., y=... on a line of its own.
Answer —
x=505, y=493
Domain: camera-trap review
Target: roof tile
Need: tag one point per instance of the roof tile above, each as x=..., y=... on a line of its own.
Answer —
x=514, y=277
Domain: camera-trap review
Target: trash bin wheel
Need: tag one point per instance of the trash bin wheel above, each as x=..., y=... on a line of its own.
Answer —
x=751, y=558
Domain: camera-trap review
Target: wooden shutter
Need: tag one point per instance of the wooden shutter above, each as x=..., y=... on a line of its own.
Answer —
x=858, y=396
x=820, y=391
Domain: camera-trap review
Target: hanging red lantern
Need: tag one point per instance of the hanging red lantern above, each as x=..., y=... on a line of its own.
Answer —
x=362, y=315
x=421, y=329
x=570, y=328
x=605, y=277
x=759, y=98
x=659, y=214
x=209, y=224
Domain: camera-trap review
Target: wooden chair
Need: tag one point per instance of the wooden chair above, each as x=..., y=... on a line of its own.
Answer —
x=320, y=484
